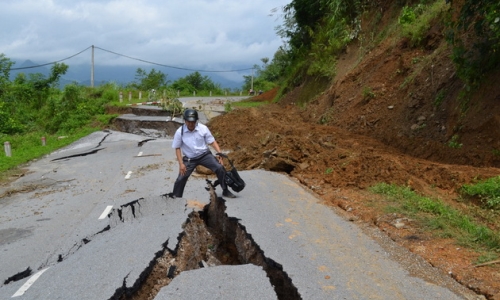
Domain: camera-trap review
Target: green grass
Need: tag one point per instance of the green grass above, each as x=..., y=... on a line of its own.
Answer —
x=439, y=218
x=26, y=147
x=124, y=103
x=106, y=119
x=229, y=106
x=245, y=104
x=487, y=190
x=368, y=93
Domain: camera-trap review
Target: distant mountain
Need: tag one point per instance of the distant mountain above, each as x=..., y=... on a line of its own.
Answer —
x=27, y=64
x=118, y=74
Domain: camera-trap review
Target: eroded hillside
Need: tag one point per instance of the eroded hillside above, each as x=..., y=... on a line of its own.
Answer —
x=392, y=114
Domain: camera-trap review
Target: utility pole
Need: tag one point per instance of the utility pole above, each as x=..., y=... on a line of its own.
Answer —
x=251, y=87
x=92, y=69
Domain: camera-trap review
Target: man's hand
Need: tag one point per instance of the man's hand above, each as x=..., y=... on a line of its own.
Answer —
x=220, y=159
x=182, y=169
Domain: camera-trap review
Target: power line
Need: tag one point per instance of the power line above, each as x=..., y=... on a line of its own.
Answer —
x=51, y=63
x=133, y=58
x=167, y=66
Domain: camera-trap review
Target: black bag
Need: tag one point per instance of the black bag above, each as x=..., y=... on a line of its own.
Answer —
x=232, y=178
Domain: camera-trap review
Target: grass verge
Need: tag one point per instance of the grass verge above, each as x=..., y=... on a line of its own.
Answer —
x=440, y=219
x=27, y=147
x=229, y=106
x=487, y=190
x=245, y=104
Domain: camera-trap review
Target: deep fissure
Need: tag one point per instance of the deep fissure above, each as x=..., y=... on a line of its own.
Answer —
x=210, y=238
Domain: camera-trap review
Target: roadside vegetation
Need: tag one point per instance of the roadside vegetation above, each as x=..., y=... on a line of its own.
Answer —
x=243, y=104
x=441, y=219
x=33, y=107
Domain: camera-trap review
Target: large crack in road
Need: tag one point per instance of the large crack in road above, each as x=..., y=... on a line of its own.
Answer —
x=210, y=238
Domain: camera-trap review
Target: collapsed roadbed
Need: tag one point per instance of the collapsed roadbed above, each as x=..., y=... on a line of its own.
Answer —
x=211, y=238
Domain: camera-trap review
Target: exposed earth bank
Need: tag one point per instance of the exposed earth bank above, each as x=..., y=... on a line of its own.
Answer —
x=391, y=115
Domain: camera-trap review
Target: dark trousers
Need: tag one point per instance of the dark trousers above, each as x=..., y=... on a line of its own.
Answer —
x=207, y=160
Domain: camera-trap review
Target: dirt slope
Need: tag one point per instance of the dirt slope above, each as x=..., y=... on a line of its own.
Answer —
x=391, y=115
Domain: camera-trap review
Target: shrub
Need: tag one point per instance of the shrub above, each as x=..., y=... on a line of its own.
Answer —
x=9, y=125
x=110, y=95
x=416, y=21
x=453, y=143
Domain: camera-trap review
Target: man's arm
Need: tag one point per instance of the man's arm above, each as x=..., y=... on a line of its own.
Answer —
x=217, y=149
x=182, y=167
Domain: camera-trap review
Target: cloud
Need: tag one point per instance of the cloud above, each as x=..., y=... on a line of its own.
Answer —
x=176, y=32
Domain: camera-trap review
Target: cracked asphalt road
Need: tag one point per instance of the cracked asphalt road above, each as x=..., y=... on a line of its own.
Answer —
x=79, y=248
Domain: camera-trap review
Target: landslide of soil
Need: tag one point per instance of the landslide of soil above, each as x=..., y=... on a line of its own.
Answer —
x=392, y=114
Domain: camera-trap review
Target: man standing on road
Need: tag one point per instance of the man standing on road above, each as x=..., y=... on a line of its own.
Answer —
x=191, y=142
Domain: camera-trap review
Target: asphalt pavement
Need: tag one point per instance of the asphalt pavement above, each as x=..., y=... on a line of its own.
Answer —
x=91, y=219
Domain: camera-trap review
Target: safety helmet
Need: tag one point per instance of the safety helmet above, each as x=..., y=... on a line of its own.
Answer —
x=190, y=115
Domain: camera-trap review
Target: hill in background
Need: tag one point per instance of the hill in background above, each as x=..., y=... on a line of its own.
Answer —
x=118, y=74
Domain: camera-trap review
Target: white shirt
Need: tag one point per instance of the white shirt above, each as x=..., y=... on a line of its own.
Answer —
x=193, y=143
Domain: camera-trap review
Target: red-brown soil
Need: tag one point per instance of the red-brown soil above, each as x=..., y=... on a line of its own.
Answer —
x=389, y=116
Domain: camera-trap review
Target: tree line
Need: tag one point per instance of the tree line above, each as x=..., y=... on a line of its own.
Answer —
x=35, y=102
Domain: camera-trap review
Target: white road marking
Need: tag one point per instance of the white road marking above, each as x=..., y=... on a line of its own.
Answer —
x=28, y=283
x=128, y=175
x=140, y=154
x=106, y=212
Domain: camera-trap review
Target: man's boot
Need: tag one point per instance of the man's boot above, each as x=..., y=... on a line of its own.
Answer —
x=228, y=194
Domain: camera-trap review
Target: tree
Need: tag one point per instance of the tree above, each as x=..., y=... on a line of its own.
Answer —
x=56, y=72
x=301, y=17
x=196, y=82
x=474, y=33
x=276, y=69
x=5, y=65
x=42, y=85
x=148, y=81
x=270, y=73
x=182, y=84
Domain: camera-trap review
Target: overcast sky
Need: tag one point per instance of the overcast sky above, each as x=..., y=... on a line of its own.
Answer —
x=199, y=34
